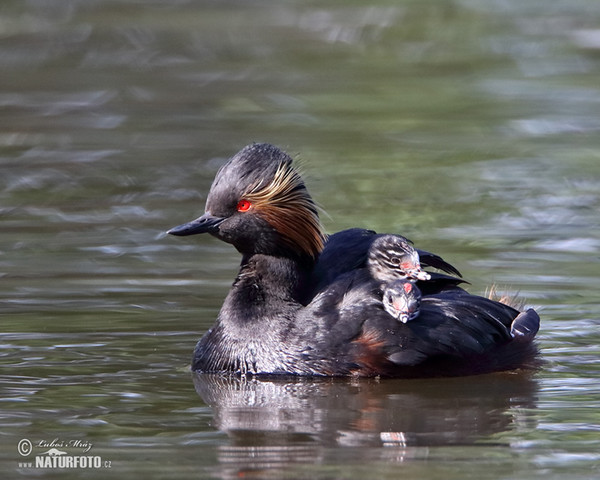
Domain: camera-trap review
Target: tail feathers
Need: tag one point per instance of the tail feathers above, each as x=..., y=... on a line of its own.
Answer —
x=525, y=325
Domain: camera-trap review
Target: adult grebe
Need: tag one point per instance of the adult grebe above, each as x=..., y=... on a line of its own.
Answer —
x=305, y=304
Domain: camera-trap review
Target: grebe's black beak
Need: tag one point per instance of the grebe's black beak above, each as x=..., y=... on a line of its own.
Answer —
x=207, y=223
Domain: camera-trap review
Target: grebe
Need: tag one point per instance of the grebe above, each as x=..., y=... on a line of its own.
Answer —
x=304, y=303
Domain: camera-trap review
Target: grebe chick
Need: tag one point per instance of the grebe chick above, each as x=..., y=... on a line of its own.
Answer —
x=402, y=300
x=392, y=257
x=348, y=250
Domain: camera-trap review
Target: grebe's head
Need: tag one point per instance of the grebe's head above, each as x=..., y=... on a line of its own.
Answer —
x=258, y=202
x=402, y=300
x=392, y=257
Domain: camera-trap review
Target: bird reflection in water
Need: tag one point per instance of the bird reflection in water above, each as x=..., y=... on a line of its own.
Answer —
x=277, y=420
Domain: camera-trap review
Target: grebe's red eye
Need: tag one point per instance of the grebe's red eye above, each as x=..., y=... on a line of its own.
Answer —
x=243, y=206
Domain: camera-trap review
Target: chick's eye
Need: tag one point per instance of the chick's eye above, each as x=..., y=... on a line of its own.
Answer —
x=243, y=206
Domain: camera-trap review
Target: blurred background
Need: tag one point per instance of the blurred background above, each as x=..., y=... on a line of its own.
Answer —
x=470, y=126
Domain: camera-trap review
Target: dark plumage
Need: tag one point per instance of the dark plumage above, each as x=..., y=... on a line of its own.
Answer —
x=303, y=303
x=349, y=249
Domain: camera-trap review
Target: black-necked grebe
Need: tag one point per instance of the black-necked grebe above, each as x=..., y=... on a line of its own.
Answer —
x=304, y=303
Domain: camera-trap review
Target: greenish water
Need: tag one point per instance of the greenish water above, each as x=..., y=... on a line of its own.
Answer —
x=471, y=127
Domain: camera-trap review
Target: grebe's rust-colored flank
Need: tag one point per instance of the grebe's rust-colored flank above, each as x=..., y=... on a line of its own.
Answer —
x=306, y=304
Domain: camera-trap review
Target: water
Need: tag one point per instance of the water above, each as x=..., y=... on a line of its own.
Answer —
x=469, y=126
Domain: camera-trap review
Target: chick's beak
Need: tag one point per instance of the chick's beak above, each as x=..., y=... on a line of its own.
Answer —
x=419, y=275
x=207, y=223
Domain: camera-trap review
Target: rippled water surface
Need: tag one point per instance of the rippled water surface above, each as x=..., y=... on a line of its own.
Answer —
x=470, y=126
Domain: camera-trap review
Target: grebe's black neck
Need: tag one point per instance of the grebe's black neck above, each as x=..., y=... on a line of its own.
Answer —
x=267, y=282
x=251, y=334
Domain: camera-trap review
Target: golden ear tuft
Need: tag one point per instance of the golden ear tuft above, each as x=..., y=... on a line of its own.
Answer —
x=285, y=203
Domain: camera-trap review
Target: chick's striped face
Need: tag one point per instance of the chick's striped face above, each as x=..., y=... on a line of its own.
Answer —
x=402, y=260
x=402, y=300
x=392, y=257
x=392, y=262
